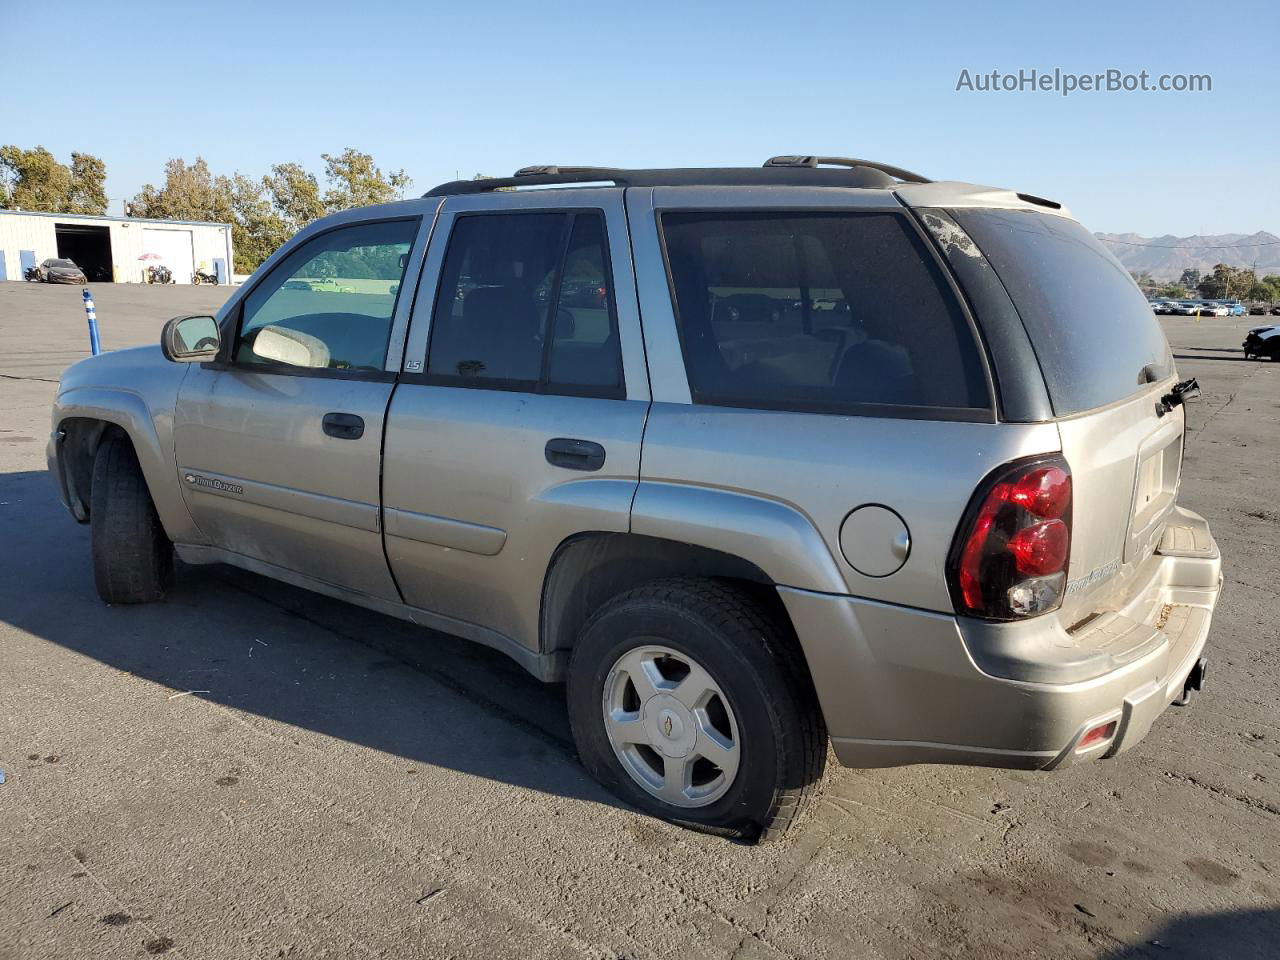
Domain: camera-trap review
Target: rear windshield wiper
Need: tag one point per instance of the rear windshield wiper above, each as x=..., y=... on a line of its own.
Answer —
x=1180, y=394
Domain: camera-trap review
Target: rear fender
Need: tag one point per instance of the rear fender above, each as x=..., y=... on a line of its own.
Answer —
x=772, y=535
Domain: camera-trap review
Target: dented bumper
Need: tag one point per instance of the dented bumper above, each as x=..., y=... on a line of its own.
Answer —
x=901, y=686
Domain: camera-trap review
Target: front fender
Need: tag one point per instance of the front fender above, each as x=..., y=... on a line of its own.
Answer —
x=150, y=431
x=777, y=538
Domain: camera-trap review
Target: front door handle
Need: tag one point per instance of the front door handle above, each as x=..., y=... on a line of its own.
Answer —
x=575, y=454
x=344, y=426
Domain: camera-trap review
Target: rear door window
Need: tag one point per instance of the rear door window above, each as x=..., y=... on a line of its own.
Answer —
x=825, y=312
x=1093, y=331
x=526, y=303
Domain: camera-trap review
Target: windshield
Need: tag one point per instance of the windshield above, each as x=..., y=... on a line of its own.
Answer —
x=1093, y=331
x=63, y=263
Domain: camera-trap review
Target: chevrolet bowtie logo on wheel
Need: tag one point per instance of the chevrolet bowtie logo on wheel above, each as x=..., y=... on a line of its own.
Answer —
x=210, y=483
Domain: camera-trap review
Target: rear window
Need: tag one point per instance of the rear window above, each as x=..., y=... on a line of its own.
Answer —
x=1093, y=331
x=826, y=312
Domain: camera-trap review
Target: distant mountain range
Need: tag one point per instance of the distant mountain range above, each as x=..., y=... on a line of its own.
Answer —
x=1166, y=257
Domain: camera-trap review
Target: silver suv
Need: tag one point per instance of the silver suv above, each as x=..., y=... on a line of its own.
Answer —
x=750, y=458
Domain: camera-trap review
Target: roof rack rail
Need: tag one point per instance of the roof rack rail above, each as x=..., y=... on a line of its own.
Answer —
x=795, y=160
x=536, y=176
x=553, y=169
x=795, y=171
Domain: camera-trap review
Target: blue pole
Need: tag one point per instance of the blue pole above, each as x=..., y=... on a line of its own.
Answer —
x=94, y=344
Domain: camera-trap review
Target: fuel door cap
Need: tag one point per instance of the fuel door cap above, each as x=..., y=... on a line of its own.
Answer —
x=875, y=541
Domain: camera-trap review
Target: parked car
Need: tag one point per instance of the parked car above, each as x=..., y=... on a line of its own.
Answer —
x=1275, y=310
x=1257, y=310
x=1262, y=342
x=61, y=270
x=1214, y=310
x=734, y=536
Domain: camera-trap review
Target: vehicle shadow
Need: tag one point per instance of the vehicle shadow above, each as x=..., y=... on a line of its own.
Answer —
x=1230, y=935
x=1238, y=358
x=266, y=648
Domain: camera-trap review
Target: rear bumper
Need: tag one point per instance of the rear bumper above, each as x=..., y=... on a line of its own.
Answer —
x=900, y=686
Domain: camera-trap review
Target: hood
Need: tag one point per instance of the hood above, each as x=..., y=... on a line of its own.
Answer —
x=116, y=368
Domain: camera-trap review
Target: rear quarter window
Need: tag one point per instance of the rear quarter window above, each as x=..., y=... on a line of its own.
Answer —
x=822, y=312
x=1093, y=332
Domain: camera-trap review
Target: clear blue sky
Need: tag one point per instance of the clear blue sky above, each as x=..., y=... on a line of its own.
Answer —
x=492, y=86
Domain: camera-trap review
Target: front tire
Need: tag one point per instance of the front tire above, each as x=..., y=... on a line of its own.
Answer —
x=132, y=555
x=690, y=700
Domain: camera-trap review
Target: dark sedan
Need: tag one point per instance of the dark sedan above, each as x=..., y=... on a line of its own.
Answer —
x=55, y=270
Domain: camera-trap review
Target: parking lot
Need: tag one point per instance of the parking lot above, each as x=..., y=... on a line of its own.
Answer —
x=251, y=771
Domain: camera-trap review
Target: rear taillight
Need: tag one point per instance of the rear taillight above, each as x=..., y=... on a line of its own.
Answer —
x=1009, y=559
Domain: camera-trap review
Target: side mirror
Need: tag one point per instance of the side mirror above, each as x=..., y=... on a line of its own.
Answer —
x=190, y=339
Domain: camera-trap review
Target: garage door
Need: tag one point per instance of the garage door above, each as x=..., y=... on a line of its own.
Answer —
x=174, y=249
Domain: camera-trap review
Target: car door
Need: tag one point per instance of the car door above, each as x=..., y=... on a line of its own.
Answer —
x=518, y=419
x=278, y=445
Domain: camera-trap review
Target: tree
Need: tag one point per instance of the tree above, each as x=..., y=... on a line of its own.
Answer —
x=189, y=193
x=354, y=181
x=1172, y=291
x=257, y=229
x=1190, y=278
x=88, y=193
x=1226, y=282
x=35, y=180
x=295, y=195
x=1143, y=279
x=1268, y=288
x=265, y=212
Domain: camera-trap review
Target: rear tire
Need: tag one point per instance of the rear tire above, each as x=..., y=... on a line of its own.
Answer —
x=757, y=711
x=132, y=555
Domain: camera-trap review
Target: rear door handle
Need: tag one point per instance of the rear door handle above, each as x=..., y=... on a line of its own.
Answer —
x=344, y=426
x=575, y=454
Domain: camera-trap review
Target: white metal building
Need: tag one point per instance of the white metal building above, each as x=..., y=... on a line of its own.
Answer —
x=108, y=249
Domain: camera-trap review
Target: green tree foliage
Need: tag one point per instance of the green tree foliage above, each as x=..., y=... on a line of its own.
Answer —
x=189, y=192
x=1268, y=288
x=35, y=180
x=355, y=181
x=1172, y=291
x=1190, y=278
x=1226, y=283
x=88, y=192
x=265, y=212
x=295, y=194
x=1144, y=281
x=257, y=228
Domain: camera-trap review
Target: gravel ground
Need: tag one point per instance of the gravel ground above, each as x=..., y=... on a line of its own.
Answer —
x=250, y=771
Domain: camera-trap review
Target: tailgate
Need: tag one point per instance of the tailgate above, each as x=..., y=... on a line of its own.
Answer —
x=1125, y=462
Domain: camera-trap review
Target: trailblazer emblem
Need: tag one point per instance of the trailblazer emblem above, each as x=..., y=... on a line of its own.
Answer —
x=209, y=483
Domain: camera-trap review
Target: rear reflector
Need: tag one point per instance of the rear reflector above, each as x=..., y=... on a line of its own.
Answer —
x=1096, y=735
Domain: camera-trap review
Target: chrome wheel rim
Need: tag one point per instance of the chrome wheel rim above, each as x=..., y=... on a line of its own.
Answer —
x=671, y=726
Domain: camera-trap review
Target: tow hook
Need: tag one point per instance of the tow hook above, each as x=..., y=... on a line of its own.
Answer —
x=1195, y=681
x=1180, y=394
